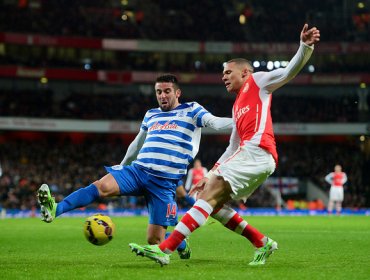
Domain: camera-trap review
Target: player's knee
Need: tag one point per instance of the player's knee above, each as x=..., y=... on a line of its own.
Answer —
x=105, y=189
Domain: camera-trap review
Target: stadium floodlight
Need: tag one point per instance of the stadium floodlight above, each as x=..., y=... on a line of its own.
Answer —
x=311, y=68
x=256, y=64
x=270, y=65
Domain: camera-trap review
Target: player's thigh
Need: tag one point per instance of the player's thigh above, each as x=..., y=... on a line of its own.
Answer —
x=156, y=233
x=246, y=171
x=336, y=194
x=216, y=192
x=129, y=179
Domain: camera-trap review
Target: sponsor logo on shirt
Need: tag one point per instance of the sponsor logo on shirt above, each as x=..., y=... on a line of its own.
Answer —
x=240, y=112
x=166, y=126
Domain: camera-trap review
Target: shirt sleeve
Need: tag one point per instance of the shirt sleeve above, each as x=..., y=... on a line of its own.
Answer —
x=275, y=79
x=189, y=179
x=134, y=148
x=203, y=118
x=329, y=178
x=345, y=178
x=234, y=144
x=217, y=123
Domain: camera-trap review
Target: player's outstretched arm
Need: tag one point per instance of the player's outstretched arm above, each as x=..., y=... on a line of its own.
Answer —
x=134, y=148
x=217, y=123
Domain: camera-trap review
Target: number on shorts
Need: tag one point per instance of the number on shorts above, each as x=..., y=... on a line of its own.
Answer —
x=171, y=210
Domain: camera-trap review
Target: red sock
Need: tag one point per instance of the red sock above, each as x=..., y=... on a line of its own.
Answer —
x=253, y=236
x=193, y=219
x=233, y=221
x=172, y=242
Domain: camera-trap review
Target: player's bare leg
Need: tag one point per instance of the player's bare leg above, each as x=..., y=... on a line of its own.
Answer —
x=330, y=207
x=338, y=207
x=155, y=234
x=264, y=246
x=216, y=193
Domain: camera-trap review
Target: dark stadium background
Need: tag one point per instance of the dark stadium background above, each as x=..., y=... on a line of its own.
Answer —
x=76, y=78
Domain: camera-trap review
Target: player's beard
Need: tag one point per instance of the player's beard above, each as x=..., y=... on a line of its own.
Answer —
x=171, y=104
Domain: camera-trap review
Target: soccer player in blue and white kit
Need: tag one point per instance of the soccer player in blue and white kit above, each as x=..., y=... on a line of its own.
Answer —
x=154, y=163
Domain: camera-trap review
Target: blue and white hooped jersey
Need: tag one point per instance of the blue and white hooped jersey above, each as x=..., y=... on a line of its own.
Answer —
x=172, y=139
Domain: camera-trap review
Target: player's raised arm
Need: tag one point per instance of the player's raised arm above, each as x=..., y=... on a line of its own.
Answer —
x=277, y=78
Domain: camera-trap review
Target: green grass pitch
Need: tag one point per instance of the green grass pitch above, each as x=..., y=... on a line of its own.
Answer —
x=309, y=248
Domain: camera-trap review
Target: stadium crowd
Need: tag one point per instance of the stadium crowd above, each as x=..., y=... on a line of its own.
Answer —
x=51, y=57
x=290, y=108
x=144, y=19
x=66, y=165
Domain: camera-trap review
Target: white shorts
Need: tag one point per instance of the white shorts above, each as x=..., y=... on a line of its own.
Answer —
x=246, y=170
x=336, y=194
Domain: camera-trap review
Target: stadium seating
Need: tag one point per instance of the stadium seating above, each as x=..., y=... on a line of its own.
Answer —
x=67, y=64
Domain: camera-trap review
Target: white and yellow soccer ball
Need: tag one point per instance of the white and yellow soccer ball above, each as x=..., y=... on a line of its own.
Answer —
x=99, y=229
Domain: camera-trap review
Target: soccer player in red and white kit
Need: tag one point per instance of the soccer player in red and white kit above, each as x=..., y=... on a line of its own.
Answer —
x=251, y=156
x=336, y=179
x=195, y=174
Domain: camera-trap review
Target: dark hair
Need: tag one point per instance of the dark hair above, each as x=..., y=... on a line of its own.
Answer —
x=242, y=61
x=168, y=78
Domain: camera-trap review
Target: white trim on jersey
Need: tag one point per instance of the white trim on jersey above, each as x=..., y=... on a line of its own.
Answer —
x=256, y=138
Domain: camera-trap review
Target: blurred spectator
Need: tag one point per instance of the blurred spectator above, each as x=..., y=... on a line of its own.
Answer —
x=68, y=166
x=187, y=20
x=292, y=108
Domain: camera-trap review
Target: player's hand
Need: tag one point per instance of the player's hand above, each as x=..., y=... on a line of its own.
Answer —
x=198, y=187
x=310, y=36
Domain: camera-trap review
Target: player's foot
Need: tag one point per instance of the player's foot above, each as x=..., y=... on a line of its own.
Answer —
x=47, y=203
x=186, y=253
x=152, y=252
x=261, y=254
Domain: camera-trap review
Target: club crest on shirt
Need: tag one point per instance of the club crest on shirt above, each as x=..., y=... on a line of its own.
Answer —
x=180, y=114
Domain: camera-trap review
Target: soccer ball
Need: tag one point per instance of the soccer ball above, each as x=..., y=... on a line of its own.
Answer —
x=99, y=229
